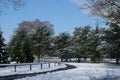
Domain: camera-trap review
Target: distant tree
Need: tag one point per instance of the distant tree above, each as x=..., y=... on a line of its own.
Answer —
x=20, y=46
x=32, y=37
x=3, y=53
x=103, y=45
x=42, y=40
x=16, y=4
x=28, y=50
x=94, y=43
x=113, y=40
x=43, y=33
x=81, y=40
x=16, y=45
x=62, y=46
x=17, y=52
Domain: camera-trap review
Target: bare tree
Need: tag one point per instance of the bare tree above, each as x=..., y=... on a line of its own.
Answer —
x=107, y=9
x=15, y=4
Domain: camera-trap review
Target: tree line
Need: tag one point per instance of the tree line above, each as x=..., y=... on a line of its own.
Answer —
x=37, y=38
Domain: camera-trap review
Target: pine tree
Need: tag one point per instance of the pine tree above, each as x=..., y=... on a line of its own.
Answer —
x=42, y=40
x=62, y=44
x=17, y=52
x=3, y=54
x=27, y=50
x=81, y=40
x=113, y=39
x=94, y=43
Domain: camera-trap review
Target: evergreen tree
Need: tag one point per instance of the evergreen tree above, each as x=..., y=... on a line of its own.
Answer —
x=42, y=40
x=94, y=43
x=31, y=37
x=17, y=52
x=3, y=53
x=62, y=44
x=113, y=39
x=81, y=40
x=16, y=45
x=28, y=50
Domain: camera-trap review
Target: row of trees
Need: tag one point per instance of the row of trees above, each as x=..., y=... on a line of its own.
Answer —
x=36, y=38
x=85, y=42
x=108, y=10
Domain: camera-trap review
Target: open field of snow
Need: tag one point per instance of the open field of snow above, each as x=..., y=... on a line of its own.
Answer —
x=26, y=69
x=84, y=71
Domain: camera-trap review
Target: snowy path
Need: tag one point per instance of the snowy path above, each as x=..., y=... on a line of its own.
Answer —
x=26, y=69
x=16, y=76
x=84, y=71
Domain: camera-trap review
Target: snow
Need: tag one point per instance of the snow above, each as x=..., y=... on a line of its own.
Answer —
x=26, y=69
x=84, y=71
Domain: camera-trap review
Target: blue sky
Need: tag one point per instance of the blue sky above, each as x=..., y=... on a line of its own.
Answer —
x=65, y=15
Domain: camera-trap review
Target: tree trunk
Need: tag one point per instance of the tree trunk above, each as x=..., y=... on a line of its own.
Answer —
x=85, y=58
x=61, y=59
x=38, y=59
x=66, y=59
x=78, y=60
x=117, y=60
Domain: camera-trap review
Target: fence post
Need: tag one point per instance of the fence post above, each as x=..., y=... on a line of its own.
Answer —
x=30, y=67
x=41, y=65
x=54, y=63
x=49, y=64
x=59, y=63
x=15, y=68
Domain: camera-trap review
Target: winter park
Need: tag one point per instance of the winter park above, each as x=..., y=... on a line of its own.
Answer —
x=60, y=40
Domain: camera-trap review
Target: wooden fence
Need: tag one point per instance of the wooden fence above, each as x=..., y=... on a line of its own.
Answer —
x=30, y=65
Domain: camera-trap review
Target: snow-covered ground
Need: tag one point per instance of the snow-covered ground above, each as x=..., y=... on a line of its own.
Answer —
x=84, y=71
x=26, y=69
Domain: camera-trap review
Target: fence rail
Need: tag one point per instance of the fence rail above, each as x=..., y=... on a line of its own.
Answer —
x=30, y=65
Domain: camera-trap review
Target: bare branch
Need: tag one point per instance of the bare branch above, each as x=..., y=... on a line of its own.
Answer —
x=107, y=9
x=16, y=4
